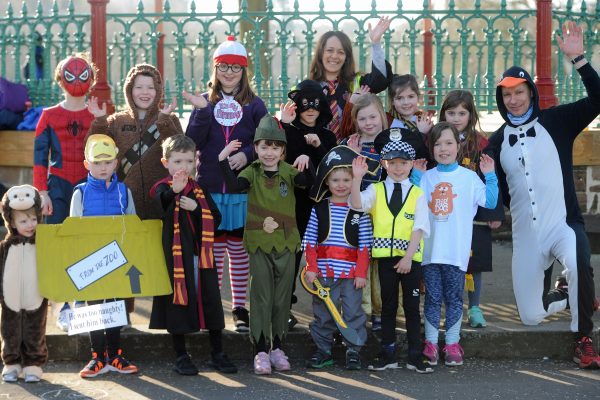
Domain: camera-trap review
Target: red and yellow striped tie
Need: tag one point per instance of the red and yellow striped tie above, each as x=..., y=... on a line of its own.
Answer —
x=335, y=124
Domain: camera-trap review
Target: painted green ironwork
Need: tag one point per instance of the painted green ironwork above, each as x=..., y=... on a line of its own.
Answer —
x=471, y=47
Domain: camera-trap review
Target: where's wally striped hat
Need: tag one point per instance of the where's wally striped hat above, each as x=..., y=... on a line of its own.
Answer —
x=231, y=52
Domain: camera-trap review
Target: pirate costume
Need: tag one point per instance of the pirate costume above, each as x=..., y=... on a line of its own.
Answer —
x=337, y=243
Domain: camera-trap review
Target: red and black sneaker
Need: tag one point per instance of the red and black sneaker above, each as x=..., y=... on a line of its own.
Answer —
x=585, y=354
x=120, y=364
x=95, y=367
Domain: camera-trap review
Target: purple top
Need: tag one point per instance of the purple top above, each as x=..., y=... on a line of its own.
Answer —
x=209, y=136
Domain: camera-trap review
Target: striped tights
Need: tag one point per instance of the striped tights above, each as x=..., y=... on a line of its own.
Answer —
x=238, y=266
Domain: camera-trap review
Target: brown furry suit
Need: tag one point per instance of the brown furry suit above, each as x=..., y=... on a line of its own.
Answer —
x=23, y=320
x=23, y=332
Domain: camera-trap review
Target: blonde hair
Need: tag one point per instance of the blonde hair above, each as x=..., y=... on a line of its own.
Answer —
x=179, y=143
x=365, y=101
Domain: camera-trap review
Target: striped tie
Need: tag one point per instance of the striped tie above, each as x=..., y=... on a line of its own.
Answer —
x=334, y=125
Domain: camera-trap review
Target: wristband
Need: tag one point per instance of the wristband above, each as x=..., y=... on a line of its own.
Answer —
x=577, y=59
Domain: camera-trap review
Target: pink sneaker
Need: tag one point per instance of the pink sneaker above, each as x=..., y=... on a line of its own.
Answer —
x=453, y=354
x=279, y=360
x=431, y=353
x=262, y=364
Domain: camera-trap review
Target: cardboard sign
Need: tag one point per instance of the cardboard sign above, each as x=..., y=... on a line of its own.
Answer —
x=95, y=258
x=228, y=112
x=96, y=265
x=98, y=316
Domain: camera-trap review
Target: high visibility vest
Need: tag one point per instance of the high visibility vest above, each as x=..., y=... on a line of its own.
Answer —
x=391, y=235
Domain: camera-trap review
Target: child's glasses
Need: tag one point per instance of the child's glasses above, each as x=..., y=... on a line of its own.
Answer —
x=235, y=68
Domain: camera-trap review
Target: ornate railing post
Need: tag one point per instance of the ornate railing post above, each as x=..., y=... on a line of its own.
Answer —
x=98, y=19
x=543, y=60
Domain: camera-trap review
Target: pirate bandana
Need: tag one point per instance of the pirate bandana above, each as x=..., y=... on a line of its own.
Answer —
x=76, y=76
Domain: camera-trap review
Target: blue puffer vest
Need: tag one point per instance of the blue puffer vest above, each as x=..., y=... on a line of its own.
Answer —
x=99, y=199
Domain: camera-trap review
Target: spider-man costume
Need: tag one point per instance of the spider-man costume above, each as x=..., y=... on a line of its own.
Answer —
x=59, y=142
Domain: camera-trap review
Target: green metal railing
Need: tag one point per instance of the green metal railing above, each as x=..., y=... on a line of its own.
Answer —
x=471, y=47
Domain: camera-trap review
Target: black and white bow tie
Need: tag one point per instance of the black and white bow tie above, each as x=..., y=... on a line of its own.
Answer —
x=512, y=138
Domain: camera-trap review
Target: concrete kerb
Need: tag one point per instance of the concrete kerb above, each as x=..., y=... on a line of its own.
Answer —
x=499, y=341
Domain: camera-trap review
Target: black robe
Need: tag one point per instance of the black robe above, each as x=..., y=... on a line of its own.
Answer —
x=178, y=319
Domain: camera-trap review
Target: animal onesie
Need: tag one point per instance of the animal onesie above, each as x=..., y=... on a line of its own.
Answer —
x=23, y=320
x=535, y=169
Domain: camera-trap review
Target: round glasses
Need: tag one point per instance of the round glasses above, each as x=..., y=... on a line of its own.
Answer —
x=235, y=68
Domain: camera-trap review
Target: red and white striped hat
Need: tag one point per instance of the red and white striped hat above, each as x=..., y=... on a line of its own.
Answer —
x=231, y=52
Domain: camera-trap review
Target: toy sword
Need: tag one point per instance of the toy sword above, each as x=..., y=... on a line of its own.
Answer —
x=323, y=293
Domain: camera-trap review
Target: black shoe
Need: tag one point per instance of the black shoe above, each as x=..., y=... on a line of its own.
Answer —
x=221, y=363
x=320, y=360
x=185, y=366
x=241, y=319
x=384, y=360
x=352, y=360
x=416, y=364
x=292, y=321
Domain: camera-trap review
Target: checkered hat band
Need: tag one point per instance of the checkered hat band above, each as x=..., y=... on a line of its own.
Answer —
x=399, y=145
x=386, y=243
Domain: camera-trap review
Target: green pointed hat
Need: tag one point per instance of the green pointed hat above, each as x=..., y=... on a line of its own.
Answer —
x=269, y=128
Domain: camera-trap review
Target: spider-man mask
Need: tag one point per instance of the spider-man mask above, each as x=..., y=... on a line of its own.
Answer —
x=77, y=76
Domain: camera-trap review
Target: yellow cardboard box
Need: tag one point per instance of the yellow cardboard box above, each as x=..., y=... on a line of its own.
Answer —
x=92, y=258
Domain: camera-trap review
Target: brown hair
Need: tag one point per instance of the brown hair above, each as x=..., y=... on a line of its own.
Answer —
x=244, y=94
x=276, y=143
x=365, y=101
x=317, y=70
x=470, y=145
x=179, y=143
x=436, y=132
x=84, y=56
x=397, y=85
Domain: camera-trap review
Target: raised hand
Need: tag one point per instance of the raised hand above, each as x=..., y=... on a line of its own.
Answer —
x=354, y=142
x=180, y=179
x=363, y=89
x=486, y=164
x=359, y=167
x=420, y=164
x=287, y=112
x=229, y=148
x=197, y=101
x=571, y=42
x=94, y=109
x=169, y=108
x=375, y=33
x=424, y=124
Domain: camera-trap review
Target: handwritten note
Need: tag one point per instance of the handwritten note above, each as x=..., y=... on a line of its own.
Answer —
x=98, y=316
